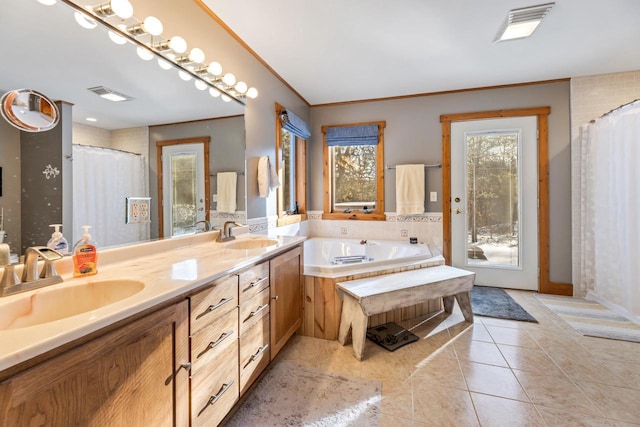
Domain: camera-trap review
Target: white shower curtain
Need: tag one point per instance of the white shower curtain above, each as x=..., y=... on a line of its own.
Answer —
x=102, y=180
x=606, y=208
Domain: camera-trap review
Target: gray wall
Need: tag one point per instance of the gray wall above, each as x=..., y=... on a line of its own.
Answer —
x=226, y=154
x=414, y=135
x=10, y=199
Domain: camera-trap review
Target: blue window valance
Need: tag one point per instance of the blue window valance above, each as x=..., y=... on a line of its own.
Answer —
x=294, y=124
x=352, y=135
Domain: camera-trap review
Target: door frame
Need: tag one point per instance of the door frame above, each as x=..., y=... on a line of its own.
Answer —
x=545, y=285
x=205, y=140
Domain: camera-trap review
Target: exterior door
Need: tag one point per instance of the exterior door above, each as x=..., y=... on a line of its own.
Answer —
x=183, y=188
x=494, y=201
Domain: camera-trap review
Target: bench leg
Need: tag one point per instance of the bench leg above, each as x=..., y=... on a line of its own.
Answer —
x=464, y=301
x=448, y=303
x=353, y=318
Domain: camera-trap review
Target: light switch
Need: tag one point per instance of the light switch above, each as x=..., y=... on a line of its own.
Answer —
x=433, y=196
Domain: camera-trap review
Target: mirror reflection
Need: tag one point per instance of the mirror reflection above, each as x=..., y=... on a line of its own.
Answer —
x=28, y=110
x=46, y=178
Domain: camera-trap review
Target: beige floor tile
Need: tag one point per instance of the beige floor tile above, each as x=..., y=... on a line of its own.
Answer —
x=528, y=359
x=615, y=423
x=391, y=421
x=487, y=321
x=493, y=380
x=477, y=332
x=442, y=406
x=440, y=371
x=580, y=366
x=511, y=336
x=555, y=391
x=480, y=352
x=559, y=418
x=629, y=373
x=500, y=412
x=618, y=403
x=397, y=399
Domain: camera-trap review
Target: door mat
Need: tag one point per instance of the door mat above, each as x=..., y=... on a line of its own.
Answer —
x=592, y=318
x=390, y=336
x=495, y=302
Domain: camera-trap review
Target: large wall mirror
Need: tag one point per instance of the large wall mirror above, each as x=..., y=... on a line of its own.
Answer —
x=67, y=174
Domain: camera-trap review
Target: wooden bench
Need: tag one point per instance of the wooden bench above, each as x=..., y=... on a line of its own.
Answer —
x=373, y=295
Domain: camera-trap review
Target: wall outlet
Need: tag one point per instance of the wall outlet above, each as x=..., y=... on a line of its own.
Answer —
x=433, y=196
x=404, y=233
x=343, y=230
x=214, y=197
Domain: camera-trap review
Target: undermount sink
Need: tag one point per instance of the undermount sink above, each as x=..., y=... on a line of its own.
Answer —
x=251, y=243
x=49, y=304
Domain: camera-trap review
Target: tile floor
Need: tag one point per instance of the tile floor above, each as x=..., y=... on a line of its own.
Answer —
x=493, y=373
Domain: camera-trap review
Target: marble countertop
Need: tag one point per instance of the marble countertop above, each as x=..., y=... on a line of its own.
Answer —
x=168, y=268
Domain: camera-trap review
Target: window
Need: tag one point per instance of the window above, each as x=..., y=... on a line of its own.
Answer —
x=291, y=145
x=354, y=171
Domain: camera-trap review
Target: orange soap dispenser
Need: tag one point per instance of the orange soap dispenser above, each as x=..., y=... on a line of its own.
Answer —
x=85, y=255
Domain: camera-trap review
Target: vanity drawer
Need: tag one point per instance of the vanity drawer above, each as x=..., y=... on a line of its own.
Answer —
x=253, y=281
x=209, y=304
x=254, y=353
x=215, y=392
x=253, y=310
x=212, y=340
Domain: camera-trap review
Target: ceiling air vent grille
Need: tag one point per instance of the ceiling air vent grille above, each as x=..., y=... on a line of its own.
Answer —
x=526, y=14
x=109, y=94
x=521, y=23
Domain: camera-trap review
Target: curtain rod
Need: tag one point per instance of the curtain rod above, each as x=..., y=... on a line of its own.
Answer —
x=615, y=109
x=435, y=165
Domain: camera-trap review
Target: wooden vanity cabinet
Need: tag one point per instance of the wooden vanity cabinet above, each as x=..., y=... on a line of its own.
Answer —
x=215, y=385
x=130, y=376
x=286, y=272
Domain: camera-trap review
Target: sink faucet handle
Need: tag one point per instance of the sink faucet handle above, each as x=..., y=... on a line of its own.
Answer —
x=9, y=278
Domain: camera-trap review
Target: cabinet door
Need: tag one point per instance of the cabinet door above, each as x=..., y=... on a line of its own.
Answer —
x=286, y=297
x=130, y=376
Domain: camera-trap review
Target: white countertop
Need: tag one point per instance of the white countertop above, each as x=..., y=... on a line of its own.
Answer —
x=168, y=268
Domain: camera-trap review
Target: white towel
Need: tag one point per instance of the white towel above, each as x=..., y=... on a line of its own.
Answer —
x=267, y=177
x=409, y=189
x=227, y=182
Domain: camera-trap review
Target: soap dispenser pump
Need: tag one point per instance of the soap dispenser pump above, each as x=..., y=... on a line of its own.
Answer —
x=57, y=241
x=85, y=255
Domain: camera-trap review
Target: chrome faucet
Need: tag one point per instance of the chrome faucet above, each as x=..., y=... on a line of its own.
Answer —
x=225, y=233
x=207, y=226
x=11, y=284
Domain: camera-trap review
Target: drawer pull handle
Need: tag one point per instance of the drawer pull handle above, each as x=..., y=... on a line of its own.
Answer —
x=255, y=283
x=220, y=303
x=275, y=297
x=223, y=337
x=256, y=355
x=213, y=399
x=256, y=311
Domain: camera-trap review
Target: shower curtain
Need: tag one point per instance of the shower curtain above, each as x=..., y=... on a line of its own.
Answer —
x=102, y=180
x=606, y=207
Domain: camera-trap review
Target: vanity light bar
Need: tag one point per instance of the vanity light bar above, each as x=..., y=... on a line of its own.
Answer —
x=172, y=50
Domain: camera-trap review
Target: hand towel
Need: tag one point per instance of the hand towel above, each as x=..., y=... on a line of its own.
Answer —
x=227, y=182
x=409, y=189
x=267, y=177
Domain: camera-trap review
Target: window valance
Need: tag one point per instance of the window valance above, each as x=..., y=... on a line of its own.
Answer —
x=352, y=135
x=294, y=124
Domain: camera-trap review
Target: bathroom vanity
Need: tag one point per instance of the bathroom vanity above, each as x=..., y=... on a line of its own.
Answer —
x=180, y=352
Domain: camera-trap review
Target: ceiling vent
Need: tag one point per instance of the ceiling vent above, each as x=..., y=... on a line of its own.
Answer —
x=521, y=23
x=110, y=94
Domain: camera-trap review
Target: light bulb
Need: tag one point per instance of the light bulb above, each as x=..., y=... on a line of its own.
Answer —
x=214, y=92
x=117, y=38
x=164, y=64
x=47, y=2
x=252, y=93
x=196, y=55
x=214, y=69
x=200, y=85
x=144, y=54
x=152, y=25
x=84, y=21
x=241, y=87
x=184, y=75
x=225, y=98
x=229, y=79
x=178, y=44
x=122, y=8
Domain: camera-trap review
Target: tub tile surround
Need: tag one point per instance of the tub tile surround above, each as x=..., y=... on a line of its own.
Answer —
x=492, y=373
x=168, y=268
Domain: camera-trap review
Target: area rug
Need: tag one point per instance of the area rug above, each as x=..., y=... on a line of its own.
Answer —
x=495, y=302
x=592, y=318
x=294, y=395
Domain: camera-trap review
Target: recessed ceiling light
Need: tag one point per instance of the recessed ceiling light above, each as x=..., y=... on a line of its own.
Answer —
x=521, y=23
x=91, y=119
x=109, y=94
